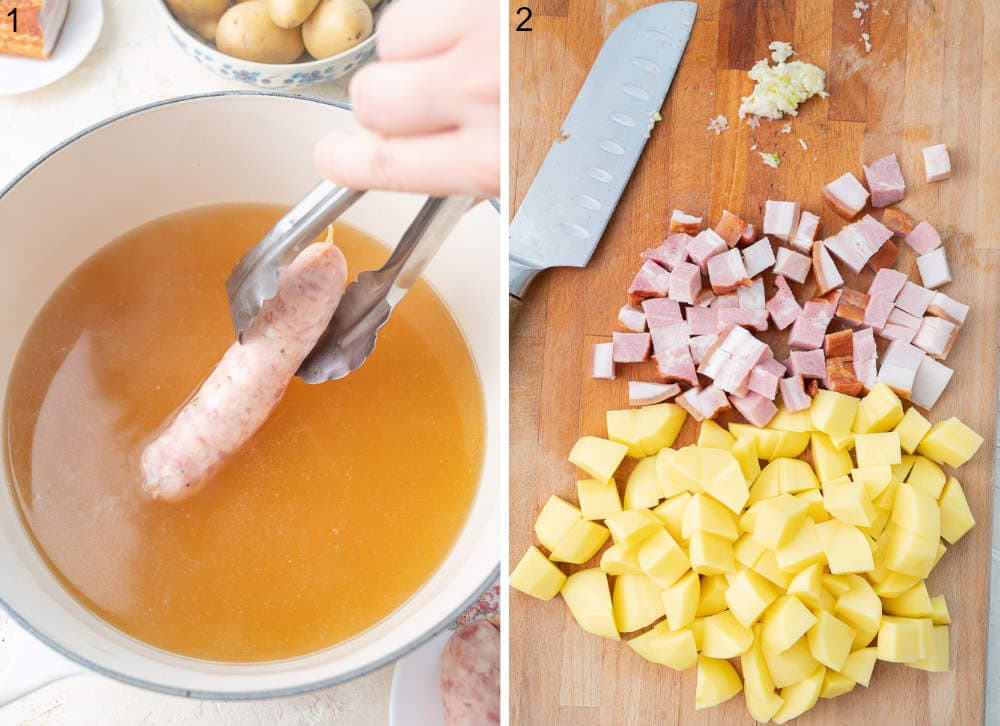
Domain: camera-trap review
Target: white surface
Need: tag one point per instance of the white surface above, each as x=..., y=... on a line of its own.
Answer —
x=416, y=686
x=79, y=34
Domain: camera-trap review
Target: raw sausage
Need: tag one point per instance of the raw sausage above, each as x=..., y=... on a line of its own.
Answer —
x=250, y=379
x=470, y=676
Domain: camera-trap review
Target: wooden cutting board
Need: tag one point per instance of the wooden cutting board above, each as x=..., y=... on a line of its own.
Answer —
x=931, y=77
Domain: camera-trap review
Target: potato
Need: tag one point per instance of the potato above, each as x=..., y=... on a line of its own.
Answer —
x=336, y=26
x=598, y=457
x=290, y=13
x=201, y=16
x=247, y=32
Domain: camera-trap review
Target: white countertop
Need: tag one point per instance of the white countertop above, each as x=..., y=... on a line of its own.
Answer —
x=135, y=62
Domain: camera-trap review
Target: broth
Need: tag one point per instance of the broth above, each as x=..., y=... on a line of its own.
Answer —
x=327, y=520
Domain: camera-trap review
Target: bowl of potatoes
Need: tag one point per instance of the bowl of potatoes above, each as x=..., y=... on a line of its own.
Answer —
x=281, y=44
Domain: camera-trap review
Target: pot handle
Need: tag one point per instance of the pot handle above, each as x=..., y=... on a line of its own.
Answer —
x=26, y=664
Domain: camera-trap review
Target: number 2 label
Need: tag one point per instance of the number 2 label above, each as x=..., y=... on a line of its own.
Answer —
x=523, y=25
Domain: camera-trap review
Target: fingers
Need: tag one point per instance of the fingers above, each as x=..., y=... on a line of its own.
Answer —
x=406, y=97
x=439, y=164
x=414, y=29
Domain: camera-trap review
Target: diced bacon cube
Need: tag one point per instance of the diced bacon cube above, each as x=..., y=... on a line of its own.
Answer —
x=633, y=318
x=758, y=257
x=872, y=231
x=886, y=256
x=749, y=235
x=901, y=317
x=792, y=265
x=937, y=163
x=771, y=365
x=887, y=284
x=705, y=298
x=685, y=283
x=878, y=311
x=851, y=307
x=676, y=364
x=780, y=219
x=752, y=297
x=703, y=403
x=764, y=382
x=646, y=393
x=793, y=394
x=672, y=252
x=914, y=299
x=741, y=345
x=805, y=232
x=840, y=376
x=726, y=272
x=734, y=377
x=807, y=363
x=898, y=221
x=825, y=269
x=660, y=311
x=808, y=331
x=755, y=408
x=929, y=383
x=756, y=319
x=666, y=337
x=846, y=195
x=730, y=228
x=865, y=357
x=899, y=366
x=703, y=321
x=885, y=179
x=700, y=344
x=729, y=300
x=704, y=246
x=783, y=308
x=650, y=281
x=689, y=402
x=838, y=344
x=849, y=249
x=894, y=331
x=945, y=307
x=687, y=223
x=602, y=364
x=936, y=336
x=923, y=238
x=934, y=270
x=630, y=347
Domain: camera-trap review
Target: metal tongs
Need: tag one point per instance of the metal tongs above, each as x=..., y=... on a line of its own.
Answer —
x=367, y=303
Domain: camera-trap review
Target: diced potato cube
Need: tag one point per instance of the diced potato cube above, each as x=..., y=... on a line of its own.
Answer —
x=598, y=457
x=794, y=475
x=580, y=543
x=671, y=513
x=790, y=444
x=785, y=420
x=631, y=527
x=842, y=442
x=680, y=470
x=877, y=526
x=772, y=444
x=672, y=648
x=758, y=686
x=680, y=601
x=712, y=599
x=621, y=430
x=724, y=637
x=830, y=462
x=849, y=503
x=859, y=665
x=835, y=684
x=926, y=476
x=745, y=451
x=950, y=442
x=833, y=413
x=705, y=514
x=617, y=560
x=698, y=629
x=902, y=470
x=765, y=486
x=729, y=487
x=598, y=500
x=874, y=479
x=710, y=554
x=642, y=491
x=717, y=682
x=916, y=511
x=778, y=519
x=802, y=550
x=912, y=429
x=956, y=516
x=657, y=426
x=713, y=436
x=807, y=586
x=793, y=665
x=891, y=584
x=556, y=518
x=785, y=622
x=837, y=584
x=800, y=697
x=767, y=565
x=905, y=640
x=636, y=602
x=914, y=603
x=830, y=640
x=671, y=484
x=879, y=411
x=939, y=610
x=938, y=662
x=535, y=575
x=846, y=547
x=747, y=550
x=814, y=501
x=748, y=596
x=877, y=449
x=662, y=559
x=587, y=595
x=887, y=498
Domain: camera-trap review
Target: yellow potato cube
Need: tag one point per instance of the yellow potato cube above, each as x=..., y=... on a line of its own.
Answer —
x=748, y=520
x=778, y=519
x=800, y=697
x=772, y=444
x=902, y=470
x=710, y=554
x=580, y=543
x=621, y=430
x=598, y=500
x=671, y=513
x=724, y=637
x=785, y=622
x=598, y=457
x=680, y=601
x=830, y=640
x=916, y=511
x=795, y=475
x=535, y=575
x=912, y=429
x=905, y=640
x=662, y=559
x=712, y=598
x=713, y=436
x=802, y=550
x=767, y=565
x=713, y=462
x=765, y=486
x=745, y=451
x=914, y=603
x=833, y=413
x=617, y=560
x=842, y=442
x=926, y=476
x=679, y=471
x=657, y=426
x=939, y=610
x=758, y=686
x=556, y=519
x=730, y=488
x=642, y=490
x=950, y=442
x=636, y=602
x=704, y=514
x=878, y=524
x=956, y=516
x=879, y=411
x=748, y=596
x=747, y=550
x=589, y=600
x=849, y=502
x=717, y=682
x=887, y=498
x=830, y=462
x=813, y=499
x=835, y=684
x=877, y=449
x=807, y=586
x=940, y=553
x=938, y=662
x=667, y=476
x=859, y=665
x=698, y=629
x=837, y=584
x=790, y=444
x=784, y=420
x=672, y=648
x=891, y=584
x=846, y=547
x=791, y=666
x=874, y=479
x=631, y=527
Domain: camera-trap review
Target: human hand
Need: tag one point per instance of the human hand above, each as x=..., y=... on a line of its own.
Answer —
x=429, y=107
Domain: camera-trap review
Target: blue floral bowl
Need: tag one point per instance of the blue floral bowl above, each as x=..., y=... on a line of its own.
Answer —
x=283, y=76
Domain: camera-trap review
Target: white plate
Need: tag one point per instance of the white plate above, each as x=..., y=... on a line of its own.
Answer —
x=83, y=24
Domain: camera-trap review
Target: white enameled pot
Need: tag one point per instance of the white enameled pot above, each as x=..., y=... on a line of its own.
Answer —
x=171, y=156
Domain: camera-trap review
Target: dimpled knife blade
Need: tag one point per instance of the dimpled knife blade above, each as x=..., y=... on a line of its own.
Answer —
x=569, y=203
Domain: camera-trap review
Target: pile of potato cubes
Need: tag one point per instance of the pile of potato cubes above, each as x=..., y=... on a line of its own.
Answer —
x=806, y=573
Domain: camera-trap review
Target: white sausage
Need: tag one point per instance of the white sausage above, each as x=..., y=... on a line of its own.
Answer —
x=239, y=394
x=470, y=676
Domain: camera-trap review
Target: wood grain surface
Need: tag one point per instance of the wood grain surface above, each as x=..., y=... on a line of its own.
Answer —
x=932, y=76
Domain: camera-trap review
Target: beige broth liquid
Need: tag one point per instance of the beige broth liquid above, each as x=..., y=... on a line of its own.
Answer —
x=327, y=520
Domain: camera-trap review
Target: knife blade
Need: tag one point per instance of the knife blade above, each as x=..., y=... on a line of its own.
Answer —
x=572, y=197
